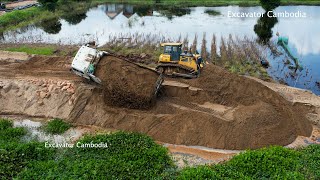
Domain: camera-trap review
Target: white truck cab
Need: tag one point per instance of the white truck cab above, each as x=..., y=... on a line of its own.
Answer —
x=85, y=61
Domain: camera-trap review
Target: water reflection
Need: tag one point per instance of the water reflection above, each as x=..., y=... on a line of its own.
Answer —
x=50, y=26
x=113, y=10
x=264, y=26
x=74, y=18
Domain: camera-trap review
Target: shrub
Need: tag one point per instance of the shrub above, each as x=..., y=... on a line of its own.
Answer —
x=128, y=156
x=56, y=126
x=8, y=133
x=273, y=162
x=266, y=163
x=5, y=124
x=310, y=162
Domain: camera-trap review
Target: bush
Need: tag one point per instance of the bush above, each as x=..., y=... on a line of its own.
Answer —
x=200, y=172
x=310, y=162
x=8, y=133
x=15, y=156
x=5, y=124
x=57, y=126
x=266, y=163
x=128, y=156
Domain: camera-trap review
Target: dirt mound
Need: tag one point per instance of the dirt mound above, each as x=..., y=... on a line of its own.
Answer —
x=218, y=110
x=126, y=84
x=260, y=116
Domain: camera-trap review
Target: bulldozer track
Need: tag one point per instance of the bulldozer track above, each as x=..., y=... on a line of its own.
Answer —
x=191, y=74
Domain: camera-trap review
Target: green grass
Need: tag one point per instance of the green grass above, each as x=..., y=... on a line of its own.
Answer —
x=32, y=50
x=56, y=126
x=20, y=18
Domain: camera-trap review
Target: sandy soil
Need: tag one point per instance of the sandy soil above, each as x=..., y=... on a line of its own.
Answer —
x=217, y=110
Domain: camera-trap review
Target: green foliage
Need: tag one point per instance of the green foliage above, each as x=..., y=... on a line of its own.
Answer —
x=274, y=162
x=310, y=162
x=128, y=156
x=200, y=172
x=49, y=4
x=15, y=17
x=56, y=126
x=5, y=124
x=16, y=155
x=32, y=50
x=267, y=163
x=269, y=5
x=8, y=133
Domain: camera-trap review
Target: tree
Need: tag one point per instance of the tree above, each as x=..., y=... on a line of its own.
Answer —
x=269, y=5
x=49, y=4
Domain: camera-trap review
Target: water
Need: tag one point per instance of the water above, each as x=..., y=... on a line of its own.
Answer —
x=35, y=132
x=100, y=22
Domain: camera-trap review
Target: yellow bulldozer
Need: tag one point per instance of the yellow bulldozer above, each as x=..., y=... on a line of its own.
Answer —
x=173, y=62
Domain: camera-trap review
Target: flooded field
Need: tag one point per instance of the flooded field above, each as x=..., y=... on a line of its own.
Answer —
x=169, y=23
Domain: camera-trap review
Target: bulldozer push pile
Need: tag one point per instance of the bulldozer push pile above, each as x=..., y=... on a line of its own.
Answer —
x=216, y=109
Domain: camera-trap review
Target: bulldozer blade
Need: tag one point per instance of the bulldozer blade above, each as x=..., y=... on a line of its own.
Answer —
x=94, y=78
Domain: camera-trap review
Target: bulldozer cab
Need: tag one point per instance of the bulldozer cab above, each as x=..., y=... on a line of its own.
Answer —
x=173, y=50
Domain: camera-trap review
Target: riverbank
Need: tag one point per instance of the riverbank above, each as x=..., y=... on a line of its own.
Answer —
x=35, y=15
x=210, y=3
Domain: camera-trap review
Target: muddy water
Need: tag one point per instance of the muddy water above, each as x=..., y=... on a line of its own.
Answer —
x=98, y=23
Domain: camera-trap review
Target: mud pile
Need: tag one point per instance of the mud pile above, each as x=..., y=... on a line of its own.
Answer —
x=126, y=84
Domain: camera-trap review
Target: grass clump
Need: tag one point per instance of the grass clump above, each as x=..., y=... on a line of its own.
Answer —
x=32, y=50
x=212, y=12
x=57, y=126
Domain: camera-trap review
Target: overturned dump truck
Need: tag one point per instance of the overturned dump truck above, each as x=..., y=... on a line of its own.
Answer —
x=124, y=83
x=85, y=62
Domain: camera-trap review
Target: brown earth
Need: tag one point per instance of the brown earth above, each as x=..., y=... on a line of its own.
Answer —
x=126, y=84
x=218, y=110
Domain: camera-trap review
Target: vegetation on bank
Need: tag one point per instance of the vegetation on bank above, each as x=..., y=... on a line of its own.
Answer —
x=137, y=156
x=32, y=50
x=56, y=126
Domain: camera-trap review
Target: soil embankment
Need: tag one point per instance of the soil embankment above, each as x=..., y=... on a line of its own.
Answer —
x=126, y=84
x=218, y=110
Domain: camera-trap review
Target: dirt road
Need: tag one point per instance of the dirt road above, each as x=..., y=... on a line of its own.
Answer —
x=217, y=110
x=20, y=3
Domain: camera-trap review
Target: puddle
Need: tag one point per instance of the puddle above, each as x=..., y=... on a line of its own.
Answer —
x=35, y=132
